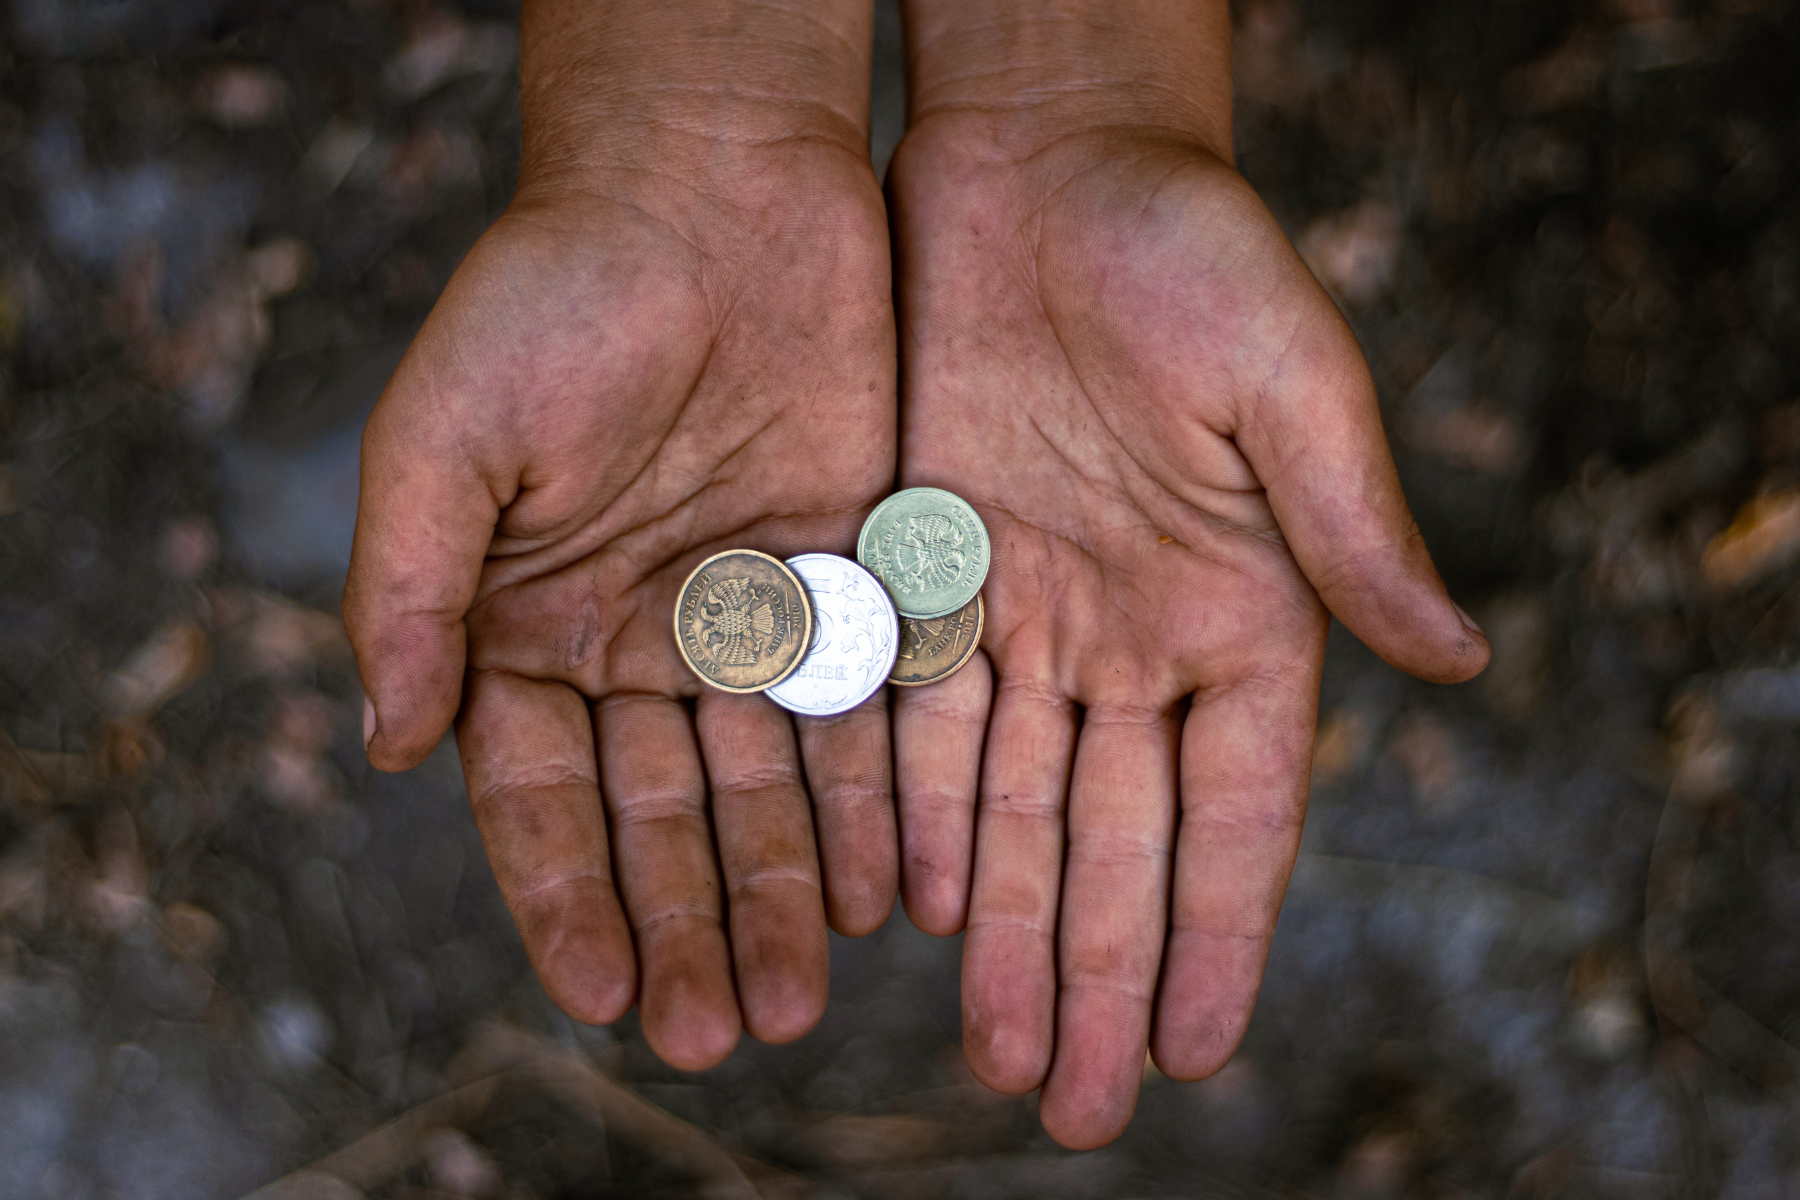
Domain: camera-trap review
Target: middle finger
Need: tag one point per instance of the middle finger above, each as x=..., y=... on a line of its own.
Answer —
x=1009, y=957
x=850, y=772
x=1115, y=895
x=774, y=901
x=651, y=779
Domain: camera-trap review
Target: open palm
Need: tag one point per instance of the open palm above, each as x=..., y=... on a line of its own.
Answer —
x=613, y=387
x=1109, y=348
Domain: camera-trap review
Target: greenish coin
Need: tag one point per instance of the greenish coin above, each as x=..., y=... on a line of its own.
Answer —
x=928, y=548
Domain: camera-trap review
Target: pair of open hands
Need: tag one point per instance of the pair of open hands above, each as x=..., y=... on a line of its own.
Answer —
x=1107, y=347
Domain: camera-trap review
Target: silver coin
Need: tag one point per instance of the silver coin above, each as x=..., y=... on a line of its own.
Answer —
x=856, y=634
x=929, y=547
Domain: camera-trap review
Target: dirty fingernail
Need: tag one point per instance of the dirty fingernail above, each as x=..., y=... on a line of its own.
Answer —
x=1468, y=621
x=368, y=722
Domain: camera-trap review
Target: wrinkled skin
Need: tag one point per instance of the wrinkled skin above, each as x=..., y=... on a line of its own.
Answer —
x=1109, y=348
x=623, y=378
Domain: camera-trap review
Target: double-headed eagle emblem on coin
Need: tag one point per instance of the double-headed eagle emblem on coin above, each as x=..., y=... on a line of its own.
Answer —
x=915, y=635
x=929, y=553
x=742, y=620
x=930, y=549
x=736, y=621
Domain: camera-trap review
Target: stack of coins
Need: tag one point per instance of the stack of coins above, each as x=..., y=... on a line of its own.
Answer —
x=820, y=634
x=931, y=550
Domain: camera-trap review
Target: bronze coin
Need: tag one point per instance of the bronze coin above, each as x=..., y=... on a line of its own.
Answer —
x=934, y=648
x=743, y=621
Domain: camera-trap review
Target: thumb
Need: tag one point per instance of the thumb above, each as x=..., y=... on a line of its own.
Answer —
x=423, y=526
x=1314, y=439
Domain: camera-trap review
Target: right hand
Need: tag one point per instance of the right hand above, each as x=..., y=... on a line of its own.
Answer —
x=687, y=349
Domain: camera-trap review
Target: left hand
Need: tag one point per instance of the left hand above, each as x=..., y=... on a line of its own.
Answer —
x=1110, y=349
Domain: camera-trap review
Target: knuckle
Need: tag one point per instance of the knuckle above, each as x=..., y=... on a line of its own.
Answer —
x=1040, y=806
x=1107, y=967
x=1025, y=690
x=672, y=915
x=551, y=892
x=928, y=800
x=857, y=798
x=941, y=706
x=773, y=882
x=1107, y=847
x=673, y=807
x=753, y=781
x=1012, y=916
x=535, y=786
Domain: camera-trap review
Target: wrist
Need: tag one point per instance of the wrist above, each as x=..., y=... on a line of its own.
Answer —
x=692, y=91
x=1018, y=77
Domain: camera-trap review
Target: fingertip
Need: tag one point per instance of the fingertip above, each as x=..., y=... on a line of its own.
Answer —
x=935, y=904
x=601, y=1005
x=400, y=732
x=1197, y=1058
x=581, y=949
x=384, y=755
x=1207, y=994
x=1086, y=1120
x=1476, y=649
x=690, y=1034
x=783, y=976
x=1008, y=1061
x=686, y=1004
x=1467, y=659
x=591, y=978
x=411, y=662
x=699, y=1048
x=858, y=910
x=782, y=1009
x=1396, y=604
x=1449, y=647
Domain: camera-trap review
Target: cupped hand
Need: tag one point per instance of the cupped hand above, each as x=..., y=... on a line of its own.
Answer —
x=624, y=377
x=1110, y=349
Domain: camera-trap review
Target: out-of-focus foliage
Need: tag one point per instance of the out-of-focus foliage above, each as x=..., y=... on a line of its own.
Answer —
x=1544, y=938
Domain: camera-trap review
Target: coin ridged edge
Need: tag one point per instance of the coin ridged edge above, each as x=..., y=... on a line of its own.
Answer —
x=974, y=645
x=805, y=610
x=869, y=520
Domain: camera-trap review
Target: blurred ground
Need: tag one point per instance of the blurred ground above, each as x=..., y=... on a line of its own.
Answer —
x=1545, y=937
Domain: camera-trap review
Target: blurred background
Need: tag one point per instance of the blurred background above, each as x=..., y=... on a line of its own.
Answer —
x=1544, y=937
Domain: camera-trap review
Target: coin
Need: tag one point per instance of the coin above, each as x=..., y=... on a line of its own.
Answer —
x=934, y=648
x=743, y=621
x=929, y=548
x=855, y=636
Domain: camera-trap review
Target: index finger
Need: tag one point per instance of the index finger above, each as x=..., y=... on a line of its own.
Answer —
x=1110, y=936
x=528, y=754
